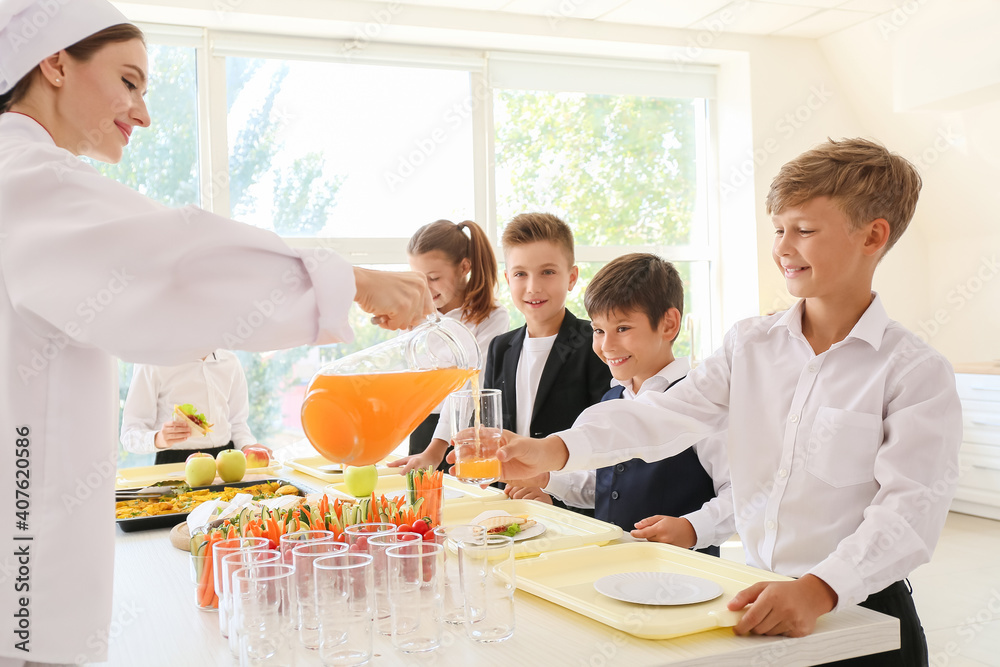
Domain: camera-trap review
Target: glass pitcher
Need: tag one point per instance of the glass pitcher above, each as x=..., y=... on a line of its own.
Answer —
x=360, y=407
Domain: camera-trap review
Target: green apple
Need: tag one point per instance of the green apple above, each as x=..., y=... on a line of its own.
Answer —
x=199, y=469
x=360, y=481
x=232, y=465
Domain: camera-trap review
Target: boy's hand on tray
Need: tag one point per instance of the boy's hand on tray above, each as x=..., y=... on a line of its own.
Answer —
x=408, y=463
x=787, y=608
x=667, y=529
x=527, y=493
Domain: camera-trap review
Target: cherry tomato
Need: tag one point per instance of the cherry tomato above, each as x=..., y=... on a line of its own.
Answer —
x=405, y=528
x=420, y=526
x=362, y=543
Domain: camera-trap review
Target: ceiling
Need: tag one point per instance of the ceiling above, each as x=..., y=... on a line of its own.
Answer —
x=788, y=18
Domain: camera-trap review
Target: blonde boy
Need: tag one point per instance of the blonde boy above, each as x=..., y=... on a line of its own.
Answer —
x=843, y=426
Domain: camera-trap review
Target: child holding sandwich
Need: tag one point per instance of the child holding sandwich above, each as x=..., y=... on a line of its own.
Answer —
x=216, y=388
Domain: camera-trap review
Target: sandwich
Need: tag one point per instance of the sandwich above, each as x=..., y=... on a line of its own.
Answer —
x=188, y=413
x=506, y=525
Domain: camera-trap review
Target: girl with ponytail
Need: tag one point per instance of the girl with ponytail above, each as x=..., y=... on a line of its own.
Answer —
x=461, y=270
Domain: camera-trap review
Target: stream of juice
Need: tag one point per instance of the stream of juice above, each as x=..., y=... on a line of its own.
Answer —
x=359, y=419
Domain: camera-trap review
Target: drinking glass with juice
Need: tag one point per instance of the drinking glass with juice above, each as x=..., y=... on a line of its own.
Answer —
x=476, y=427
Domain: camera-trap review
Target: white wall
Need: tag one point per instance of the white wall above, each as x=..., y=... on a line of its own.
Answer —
x=943, y=281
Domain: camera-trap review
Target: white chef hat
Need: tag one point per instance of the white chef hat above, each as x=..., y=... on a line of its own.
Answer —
x=32, y=30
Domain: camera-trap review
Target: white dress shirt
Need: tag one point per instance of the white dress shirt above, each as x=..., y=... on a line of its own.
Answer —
x=714, y=522
x=216, y=387
x=497, y=323
x=843, y=464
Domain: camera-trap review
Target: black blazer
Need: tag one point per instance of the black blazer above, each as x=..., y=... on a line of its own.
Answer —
x=573, y=378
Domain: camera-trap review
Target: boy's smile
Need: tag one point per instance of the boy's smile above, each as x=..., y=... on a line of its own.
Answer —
x=819, y=252
x=540, y=278
x=631, y=347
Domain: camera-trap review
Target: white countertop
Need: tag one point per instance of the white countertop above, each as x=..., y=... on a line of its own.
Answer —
x=155, y=623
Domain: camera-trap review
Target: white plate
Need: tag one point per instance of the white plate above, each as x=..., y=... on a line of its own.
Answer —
x=658, y=588
x=527, y=534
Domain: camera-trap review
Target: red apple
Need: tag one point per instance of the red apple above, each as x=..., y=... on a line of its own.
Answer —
x=257, y=456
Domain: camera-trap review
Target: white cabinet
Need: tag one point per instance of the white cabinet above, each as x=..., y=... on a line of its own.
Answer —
x=979, y=459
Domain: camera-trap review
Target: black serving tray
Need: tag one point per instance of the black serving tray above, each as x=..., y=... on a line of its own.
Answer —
x=171, y=520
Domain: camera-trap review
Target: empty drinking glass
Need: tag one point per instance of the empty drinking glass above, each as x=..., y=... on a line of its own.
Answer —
x=345, y=604
x=452, y=538
x=377, y=544
x=263, y=599
x=488, y=582
x=415, y=585
x=306, y=619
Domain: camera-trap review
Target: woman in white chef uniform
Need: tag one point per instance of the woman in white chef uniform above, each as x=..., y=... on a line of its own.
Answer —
x=91, y=270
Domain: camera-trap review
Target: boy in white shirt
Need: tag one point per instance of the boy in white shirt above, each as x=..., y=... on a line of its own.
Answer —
x=215, y=385
x=635, y=303
x=844, y=427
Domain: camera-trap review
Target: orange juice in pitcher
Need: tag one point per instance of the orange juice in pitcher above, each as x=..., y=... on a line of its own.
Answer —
x=360, y=407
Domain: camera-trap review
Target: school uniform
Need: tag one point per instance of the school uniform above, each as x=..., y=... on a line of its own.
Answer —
x=693, y=485
x=843, y=463
x=215, y=385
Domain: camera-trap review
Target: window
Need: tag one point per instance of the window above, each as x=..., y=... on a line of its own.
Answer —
x=320, y=149
x=357, y=148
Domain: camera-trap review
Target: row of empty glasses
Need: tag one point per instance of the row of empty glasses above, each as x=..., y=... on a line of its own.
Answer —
x=333, y=597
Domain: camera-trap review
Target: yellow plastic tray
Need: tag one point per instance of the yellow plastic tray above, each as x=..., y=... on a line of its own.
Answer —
x=563, y=529
x=328, y=471
x=130, y=478
x=567, y=579
x=395, y=483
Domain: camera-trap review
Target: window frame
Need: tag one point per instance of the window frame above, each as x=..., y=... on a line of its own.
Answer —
x=213, y=46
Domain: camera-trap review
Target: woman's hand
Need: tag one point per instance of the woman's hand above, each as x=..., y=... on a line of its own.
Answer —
x=396, y=300
x=172, y=433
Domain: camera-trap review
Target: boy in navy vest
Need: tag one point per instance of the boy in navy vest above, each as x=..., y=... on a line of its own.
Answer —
x=635, y=303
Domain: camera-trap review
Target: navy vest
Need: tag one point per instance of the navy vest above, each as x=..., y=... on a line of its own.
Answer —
x=628, y=492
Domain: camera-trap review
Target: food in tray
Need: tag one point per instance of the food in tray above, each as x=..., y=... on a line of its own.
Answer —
x=314, y=513
x=188, y=499
x=509, y=525
x=187, y=412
